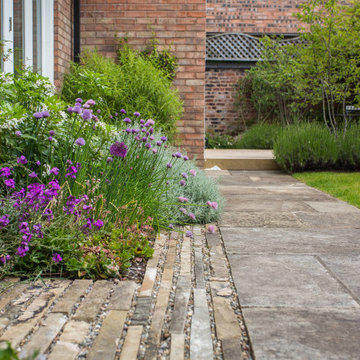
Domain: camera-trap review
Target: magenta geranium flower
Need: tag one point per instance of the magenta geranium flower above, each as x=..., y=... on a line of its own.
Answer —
x=4, y=221
x=10, y=183
x=54, y=171
x=33, y=175
x=99, y=224
x=56, y=258
x=118, y=149
x=22, y=160
x=5, y=172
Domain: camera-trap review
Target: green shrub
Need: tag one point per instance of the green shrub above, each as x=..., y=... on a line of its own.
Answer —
x=349, y=149
x=133, y=84
x=306, y=147
x=220, y=141
x=260, y=136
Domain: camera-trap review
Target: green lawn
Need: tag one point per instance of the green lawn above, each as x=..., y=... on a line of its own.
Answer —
x=344, y=186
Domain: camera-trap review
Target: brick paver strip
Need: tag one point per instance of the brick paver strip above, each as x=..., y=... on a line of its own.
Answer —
x=122, y=296
x=199, y=269
x=10, y=294
x=72, y=296
x=107, y=341
x=68, y=345
x=43, y=337
x=151, y=268
x=185, y=267
x=200, y=338
x=157, y=322
x=142, y=311
x=177, y=347
x=26, y=322
x=182, y=296
x=90, y=307
x=131, y=344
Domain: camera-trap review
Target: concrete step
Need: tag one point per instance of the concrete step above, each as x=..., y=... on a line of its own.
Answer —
x=233, y=159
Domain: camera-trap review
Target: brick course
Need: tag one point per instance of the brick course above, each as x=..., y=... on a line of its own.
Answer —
x=179, y=23
x=63, y=37
x=252, y=16
x=220, y=113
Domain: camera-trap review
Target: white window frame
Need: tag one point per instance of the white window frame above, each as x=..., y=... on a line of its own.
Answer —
x=45, y=35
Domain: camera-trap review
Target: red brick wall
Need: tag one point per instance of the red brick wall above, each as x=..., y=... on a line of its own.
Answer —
x=179, y=23
x=220, y=113
x=63, y=35
x=252, y=16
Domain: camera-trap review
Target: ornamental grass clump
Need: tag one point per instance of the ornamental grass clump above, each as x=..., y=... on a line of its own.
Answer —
x=87, y=202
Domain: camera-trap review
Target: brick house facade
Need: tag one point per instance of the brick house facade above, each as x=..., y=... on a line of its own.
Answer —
x=70, y=26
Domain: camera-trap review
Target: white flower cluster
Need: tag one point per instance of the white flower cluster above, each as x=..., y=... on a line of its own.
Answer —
x=4, y=77
x=12, y=124
x=50, y=88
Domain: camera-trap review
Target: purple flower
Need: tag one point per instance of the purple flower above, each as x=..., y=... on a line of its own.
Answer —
x=192, y=216
x=54, y=171
x=33, y=175
x=183, y=199
x=183, y=210
x=38, y=163
x=69, y=162
x=169, y=165
x=89, y=103
x=51, y=132
x=123, y=111
x=171, y=226
x=150, y=122
x=148, y=145
x=144, y=139
x=189, y=234
x=98, y=111
x=71, y=172
x=86, y=115
x=193, y=172
x=38, y=115
x=186, y=158
x=137, y=114
x=22, y=250
x=163, y=138
x=4, y=258
x=10, y=183
x=184, y=175
x=5, y=172
x=151, y=130
x=182, y=182
x=76, y=109
x=118, y=149
x=22, y=160
x=178, y=155
x=214, y=204
x=70, y=109
x=50, y=138
x=45, y=114
x=109, y=159
x=127, y=120
x=99, y=224
x=4, y=221
x=80, y=141
x=18, y=133
x=56, y=258
x=154, y=151
x=211, y=229
x=116, y=114
x=142, y=121
x=79, y=100
x=128, y=130
x=87, y=208
x=158, y=143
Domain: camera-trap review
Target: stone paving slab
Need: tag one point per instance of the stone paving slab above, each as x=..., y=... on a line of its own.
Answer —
x=291, y=241
x=332, y=207
x=330, y=220
x=287, y=281
x=260, y=219
x=283, y=334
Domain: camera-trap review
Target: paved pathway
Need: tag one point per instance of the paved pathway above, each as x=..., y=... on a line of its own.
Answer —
x=294, y=254
x=295, y=260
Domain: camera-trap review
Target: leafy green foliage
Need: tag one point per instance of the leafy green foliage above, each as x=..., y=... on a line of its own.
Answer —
x=133, y=84
x=10, y=354
x=312, y=146
x=317, y=77
x=260, y=136
x=220, y=141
